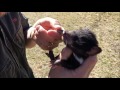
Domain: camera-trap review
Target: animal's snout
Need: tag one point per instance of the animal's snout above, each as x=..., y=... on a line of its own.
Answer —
x=66, y=35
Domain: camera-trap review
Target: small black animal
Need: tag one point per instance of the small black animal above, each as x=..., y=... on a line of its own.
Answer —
x=83, y=43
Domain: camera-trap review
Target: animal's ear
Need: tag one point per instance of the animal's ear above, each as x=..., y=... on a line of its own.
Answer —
x=94, y=51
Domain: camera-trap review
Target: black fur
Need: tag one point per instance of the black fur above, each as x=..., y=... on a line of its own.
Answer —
x=80, y=42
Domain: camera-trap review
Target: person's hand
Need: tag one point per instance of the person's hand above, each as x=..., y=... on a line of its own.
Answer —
x=46, y=35
x=83, y=71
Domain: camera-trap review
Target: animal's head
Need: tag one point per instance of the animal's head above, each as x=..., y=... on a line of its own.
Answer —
x=82, y=42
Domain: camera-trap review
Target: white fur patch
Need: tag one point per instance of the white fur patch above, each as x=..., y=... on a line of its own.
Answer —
x=80, y=60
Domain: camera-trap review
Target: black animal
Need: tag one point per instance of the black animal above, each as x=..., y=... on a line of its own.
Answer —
x=83, y=43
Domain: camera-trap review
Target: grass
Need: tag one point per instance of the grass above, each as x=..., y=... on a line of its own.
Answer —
x=106, y=26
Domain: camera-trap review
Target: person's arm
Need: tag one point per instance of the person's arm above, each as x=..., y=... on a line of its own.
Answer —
x=83, y=71
x=28, y=32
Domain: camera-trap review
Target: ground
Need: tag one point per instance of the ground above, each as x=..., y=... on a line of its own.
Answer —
x=106, y=26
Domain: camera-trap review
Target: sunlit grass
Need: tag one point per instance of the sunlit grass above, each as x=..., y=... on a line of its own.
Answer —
x=106, y=25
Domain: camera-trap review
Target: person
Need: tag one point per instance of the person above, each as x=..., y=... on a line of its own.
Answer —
x=16, y=35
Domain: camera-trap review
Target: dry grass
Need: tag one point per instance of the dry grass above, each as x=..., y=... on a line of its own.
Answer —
x=106, y=26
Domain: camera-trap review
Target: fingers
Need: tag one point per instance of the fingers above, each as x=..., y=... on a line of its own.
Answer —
x=56, y=25
x=30, y=32
x=40, y=32
x=55, y=35
x=41, y=37
x=47, y=46
x=49, y=23
x=36, y=31
x=46, y=31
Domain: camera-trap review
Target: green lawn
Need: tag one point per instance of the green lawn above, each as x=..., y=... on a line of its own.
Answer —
x=106, y=25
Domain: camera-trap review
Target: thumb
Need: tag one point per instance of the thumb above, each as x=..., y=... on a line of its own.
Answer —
x=65, y=54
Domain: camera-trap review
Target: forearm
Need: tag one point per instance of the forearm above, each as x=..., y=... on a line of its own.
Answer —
x=29, y=38
x=84, y=70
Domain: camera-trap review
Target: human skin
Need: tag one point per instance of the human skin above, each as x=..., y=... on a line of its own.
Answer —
x=45, y=33
x=82, y=71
